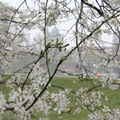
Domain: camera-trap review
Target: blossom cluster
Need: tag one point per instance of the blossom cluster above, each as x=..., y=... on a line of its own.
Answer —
x=105, y=113
x=61, y=101
x=29, y=92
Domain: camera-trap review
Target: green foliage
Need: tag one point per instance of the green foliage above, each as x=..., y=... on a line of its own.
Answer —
x=57, y=41
x=60, y=45
x=41, y=54
x=48, y=45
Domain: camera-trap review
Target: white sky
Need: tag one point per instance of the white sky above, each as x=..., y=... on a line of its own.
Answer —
x=16, y=3
x=13, y=3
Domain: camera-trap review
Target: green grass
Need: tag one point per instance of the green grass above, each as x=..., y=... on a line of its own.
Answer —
x=74, y=84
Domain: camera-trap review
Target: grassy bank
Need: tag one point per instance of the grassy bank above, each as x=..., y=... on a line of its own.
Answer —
x=74, y=84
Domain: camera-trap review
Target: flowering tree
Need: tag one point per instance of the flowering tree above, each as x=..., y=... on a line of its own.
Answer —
x=91, y=20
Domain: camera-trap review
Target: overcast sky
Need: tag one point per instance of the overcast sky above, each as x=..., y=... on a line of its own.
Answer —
x=62, y=26
x=16, y=3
